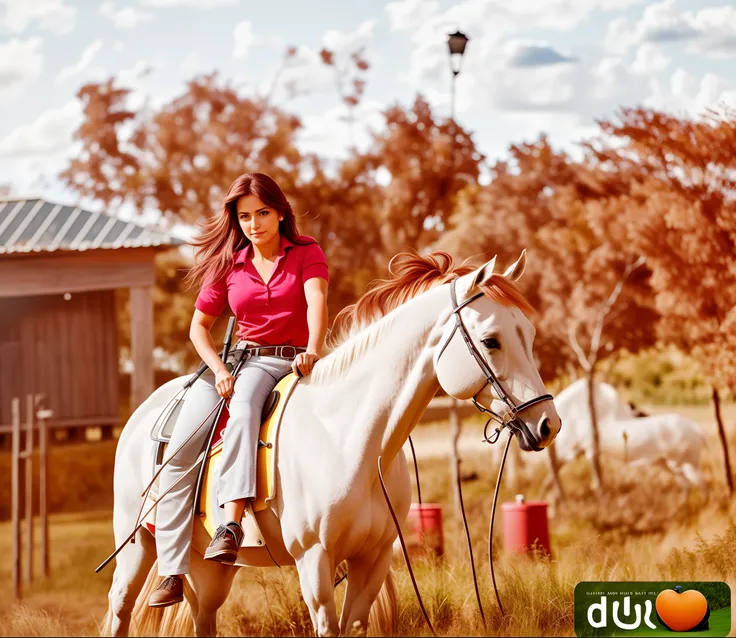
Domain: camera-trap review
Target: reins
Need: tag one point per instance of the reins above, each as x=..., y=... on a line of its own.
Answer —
x=465, y=524
x=217, y=408
x=510, y=420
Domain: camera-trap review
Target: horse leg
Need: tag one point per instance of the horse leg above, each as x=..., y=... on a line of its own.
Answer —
x=679, y=475
x=695, y=477
x=211, y=582
x=317, y=578
x=131, y=569
x=366, y=576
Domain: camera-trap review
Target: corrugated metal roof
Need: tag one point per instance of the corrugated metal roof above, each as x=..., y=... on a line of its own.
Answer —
x=35, y=225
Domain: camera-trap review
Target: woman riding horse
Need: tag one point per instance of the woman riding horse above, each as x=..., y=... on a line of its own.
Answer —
x=251, y=257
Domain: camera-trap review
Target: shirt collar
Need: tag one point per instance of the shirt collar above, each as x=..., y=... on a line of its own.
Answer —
x=243, y=255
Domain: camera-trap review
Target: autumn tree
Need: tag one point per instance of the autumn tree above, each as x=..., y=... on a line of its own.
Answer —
x=350, y=81
x=426, y=175
x=180, y=159
x=543, y=201
x=686, y=228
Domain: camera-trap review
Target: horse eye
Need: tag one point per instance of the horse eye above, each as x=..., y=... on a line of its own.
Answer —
x=491, y=343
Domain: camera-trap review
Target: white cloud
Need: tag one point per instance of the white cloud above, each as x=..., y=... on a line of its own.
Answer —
x=306, y=72
x=330, y=134
x=118, y=47
x=562, y=130
x=620, y=36
x=530, y=78
x=711, y=30
x=88, y=55
x=649, y=60
x=490, y=25
x=244, y=39
x=198, y=4
x=142, y=94
x=341, y=42
x=125, y=18
x=527, y=53
x=686, y=94
x=477, y=17
x=409, y=14
x=52, y=15
x=132, y=78
x=21, y=62
x=51, y=132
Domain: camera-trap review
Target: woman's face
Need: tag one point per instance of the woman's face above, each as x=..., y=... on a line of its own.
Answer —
x=259, y=222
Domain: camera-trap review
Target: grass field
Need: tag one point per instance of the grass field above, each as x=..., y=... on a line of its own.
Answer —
x=643, y=530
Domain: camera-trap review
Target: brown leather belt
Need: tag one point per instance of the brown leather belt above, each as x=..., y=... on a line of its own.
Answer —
x=283, y=352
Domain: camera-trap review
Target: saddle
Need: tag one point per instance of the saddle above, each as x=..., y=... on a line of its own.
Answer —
x=206, y=489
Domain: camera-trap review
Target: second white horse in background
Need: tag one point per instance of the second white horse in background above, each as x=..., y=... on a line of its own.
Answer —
x=671, y=439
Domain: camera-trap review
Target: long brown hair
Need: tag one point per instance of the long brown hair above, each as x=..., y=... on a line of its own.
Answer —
x=221, y=236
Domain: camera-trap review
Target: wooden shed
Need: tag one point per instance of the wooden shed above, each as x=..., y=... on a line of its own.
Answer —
x=59, y=268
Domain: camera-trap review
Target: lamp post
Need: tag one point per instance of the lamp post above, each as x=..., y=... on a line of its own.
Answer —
x=456, y=43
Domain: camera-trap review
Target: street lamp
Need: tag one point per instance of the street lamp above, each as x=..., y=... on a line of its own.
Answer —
x=456, y=43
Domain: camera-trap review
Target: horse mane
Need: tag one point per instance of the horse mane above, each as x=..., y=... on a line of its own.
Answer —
x=411, y=275
x=357, y=326
x=502, y=290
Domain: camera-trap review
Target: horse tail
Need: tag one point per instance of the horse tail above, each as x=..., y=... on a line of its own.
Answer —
x=384, y=611
x=175, y=620
x=106, y=625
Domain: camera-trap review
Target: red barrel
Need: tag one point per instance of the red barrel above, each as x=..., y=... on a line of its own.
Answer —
x=525, y=525
x=425, y=526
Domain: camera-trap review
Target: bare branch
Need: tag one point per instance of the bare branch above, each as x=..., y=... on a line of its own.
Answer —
x=573, y=339
x=608, y=305
x=289, y=54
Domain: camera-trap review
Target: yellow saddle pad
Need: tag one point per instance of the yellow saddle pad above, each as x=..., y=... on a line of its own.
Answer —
x=265, y=465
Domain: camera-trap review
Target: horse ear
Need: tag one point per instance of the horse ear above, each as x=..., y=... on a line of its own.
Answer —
x=516, y=270
x=483, y=274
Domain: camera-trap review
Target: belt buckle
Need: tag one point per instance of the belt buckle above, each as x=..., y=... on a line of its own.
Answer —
x=293, y=351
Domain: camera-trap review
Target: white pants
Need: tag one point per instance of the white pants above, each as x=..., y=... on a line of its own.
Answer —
x=174, y=514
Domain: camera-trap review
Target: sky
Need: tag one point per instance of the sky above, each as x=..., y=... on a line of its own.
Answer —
x=530, y=67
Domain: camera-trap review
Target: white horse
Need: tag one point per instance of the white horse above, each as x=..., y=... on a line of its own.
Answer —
x=670, y=439
x=361, y=401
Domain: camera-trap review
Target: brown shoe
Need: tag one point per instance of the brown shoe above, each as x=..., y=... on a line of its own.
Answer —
x=169, y=592
x=226, y=543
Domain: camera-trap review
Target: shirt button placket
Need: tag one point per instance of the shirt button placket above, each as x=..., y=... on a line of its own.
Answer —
x=268, y=285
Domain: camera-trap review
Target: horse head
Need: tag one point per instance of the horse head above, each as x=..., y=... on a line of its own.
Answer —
x=485, y=353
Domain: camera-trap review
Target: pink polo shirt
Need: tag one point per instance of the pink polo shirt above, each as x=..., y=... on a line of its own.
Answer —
x=268, y=314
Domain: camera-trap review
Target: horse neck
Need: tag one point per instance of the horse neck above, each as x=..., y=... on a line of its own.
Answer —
x=374, y=405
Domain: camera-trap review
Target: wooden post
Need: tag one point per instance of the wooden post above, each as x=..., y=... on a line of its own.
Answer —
x=554, y=469
x=514, y=463
x=141, y=344
x=724, y=441
x=15, y=498
x=455, y=429
x=43, y=439
x=598, y=485
x=28, y=462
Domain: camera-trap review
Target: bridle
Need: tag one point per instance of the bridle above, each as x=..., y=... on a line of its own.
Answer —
x=511, y=419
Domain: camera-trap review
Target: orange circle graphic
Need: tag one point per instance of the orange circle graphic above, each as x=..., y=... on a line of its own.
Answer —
x=681, y=612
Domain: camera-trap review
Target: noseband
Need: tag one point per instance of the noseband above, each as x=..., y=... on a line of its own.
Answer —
x=511, y=419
